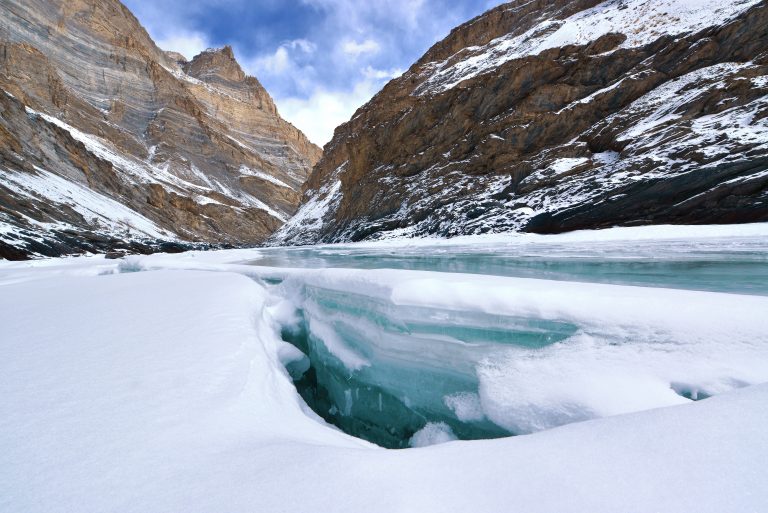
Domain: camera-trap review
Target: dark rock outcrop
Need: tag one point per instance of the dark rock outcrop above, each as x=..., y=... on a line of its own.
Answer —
x=554, y=115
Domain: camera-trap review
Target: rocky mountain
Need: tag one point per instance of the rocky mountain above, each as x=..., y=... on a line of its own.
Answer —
x=108, y=142
x=554, y=115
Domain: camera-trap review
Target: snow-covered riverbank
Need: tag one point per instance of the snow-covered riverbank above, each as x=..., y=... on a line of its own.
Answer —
x=158, y=384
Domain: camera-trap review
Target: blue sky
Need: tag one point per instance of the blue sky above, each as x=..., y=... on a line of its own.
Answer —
x=319, y=59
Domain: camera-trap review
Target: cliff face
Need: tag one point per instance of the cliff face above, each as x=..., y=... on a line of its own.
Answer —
x=106, y=141
x=553, y=115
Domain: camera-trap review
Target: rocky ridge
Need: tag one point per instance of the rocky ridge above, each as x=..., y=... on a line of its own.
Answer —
x=552, y=115
x=108, y=142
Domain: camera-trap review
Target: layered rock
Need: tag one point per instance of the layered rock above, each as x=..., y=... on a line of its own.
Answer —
x=194, y=151
x=553, y=115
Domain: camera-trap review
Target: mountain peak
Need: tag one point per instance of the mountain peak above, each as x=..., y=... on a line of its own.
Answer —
x=227, y=52
x=152, y=156
x=215, y=65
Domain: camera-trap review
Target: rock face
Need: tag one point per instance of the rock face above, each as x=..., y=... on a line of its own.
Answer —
x=549, y=116
x=106, y=141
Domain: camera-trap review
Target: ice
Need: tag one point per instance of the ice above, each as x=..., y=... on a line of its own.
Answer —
x=536, y=353
x=466, y=406
x=498, y=353
x=715, y=258
x=433, y=433
x=186, y=383
x=337, y=348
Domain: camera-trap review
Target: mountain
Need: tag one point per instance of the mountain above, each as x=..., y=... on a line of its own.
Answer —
x=551, y=115
x=108, y=142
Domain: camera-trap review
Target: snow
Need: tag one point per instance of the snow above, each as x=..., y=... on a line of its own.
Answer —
x=165, y=390
x=101, y=148
x=564, y=165
x=121, y=415
x=599, y=92
x=660, y=105
x=94, y=207
x=657, y=17
x=664, y=136
x=250, y=201
x=244, y=170
x=179, y=74
x=556, y=169
x=465, y=405
x=205, y=200
x=433, y=433
x=310, y=215
x=138, y=171
x=738, y=125
x=631, y=233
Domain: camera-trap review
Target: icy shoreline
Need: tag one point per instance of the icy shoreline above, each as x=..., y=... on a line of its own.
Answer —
x=158, y=383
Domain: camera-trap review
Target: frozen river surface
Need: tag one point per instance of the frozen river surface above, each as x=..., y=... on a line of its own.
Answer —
x=737, y=264
x=182, y=382
x=414, y=342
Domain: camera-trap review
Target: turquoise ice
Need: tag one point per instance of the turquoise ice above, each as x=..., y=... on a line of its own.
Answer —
x=410, y=343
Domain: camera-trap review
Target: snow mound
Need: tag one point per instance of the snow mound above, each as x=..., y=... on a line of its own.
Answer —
x=433, y=433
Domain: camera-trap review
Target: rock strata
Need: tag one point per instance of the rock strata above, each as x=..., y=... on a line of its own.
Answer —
x=106, y=141
x=551, y=115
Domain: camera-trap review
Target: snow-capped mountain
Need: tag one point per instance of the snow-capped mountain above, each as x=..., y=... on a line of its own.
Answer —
x=552, y=115
x=108, y=142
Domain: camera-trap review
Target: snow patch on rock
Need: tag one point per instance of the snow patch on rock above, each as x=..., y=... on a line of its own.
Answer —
x=656, y=17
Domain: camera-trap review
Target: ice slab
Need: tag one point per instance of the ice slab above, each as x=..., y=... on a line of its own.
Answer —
x=536, y=353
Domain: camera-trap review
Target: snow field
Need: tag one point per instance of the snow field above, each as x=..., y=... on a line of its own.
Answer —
x=165, y=390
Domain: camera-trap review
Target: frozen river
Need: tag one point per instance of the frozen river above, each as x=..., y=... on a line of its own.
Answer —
x=416, y=342
x=175, y=382
x=729, y=264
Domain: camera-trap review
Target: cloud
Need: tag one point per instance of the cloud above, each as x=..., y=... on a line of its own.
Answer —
x=187, y=44
x=288, y=68
x=355, y=49
x=319, y=59
x=282, y=60
x=379, y=74
x=323, y=110
x=353, y=13
x=302, y=44
x=276, y=63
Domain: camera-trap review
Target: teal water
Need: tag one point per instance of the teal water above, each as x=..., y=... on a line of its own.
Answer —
x=419, y=363
x=732, y=265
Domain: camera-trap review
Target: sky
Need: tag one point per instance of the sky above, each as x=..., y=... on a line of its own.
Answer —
x=319, y=59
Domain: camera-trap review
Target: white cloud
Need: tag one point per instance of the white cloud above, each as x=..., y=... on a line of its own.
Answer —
x=281, y=61
x=303, y=45
x=332, y=67
x=372, y=73
x=187, y=44
x=275, y=63
x=355, y=49
x=319, y=114
x=353, y=14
